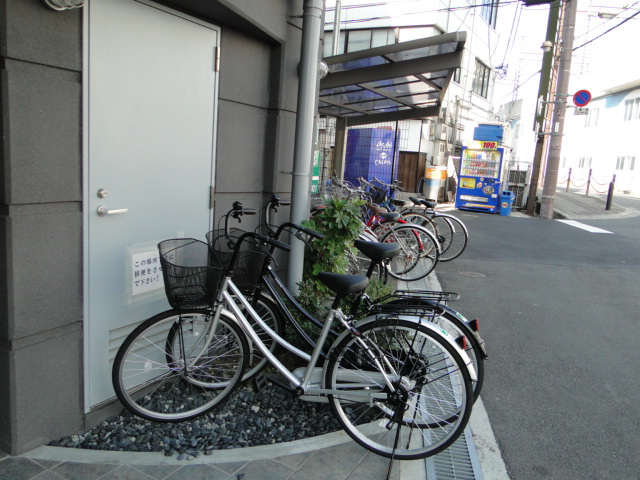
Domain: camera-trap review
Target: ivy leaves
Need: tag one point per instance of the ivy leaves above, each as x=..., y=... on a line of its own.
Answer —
x=341, y=224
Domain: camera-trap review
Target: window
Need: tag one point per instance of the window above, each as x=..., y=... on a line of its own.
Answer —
x=481, y=79
x=632, y=109
x=358, y=40
x=584, y=162
x=626, y=163
x=328, y=44
x=489, y=11
x=456, y=75
x=355, y=40
x=591, y=119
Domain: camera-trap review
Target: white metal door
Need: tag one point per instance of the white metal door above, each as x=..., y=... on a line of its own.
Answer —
x=150, y=104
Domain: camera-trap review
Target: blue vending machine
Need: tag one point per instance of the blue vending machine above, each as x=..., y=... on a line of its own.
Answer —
x=480, y=178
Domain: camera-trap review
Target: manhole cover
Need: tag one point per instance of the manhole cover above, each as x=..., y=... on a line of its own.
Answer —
x=473, y=274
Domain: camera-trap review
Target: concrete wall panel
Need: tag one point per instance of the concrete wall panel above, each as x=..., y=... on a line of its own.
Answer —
x=241, y=132
x=46, y=272
x=269, y=14
x=37, y=34
x=244, y=69
x=48, y=393
x=44, y=133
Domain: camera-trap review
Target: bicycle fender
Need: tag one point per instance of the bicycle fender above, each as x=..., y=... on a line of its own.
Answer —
x=420, y=321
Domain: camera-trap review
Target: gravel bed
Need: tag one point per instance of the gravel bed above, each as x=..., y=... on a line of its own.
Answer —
x=246, y=419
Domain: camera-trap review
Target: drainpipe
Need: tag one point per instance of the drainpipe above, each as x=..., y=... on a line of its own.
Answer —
x=336, y=27
x=305, y=129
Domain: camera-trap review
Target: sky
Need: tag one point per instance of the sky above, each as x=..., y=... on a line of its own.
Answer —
x=602, y=59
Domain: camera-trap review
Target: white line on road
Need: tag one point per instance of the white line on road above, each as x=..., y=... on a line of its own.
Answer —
x=586, y=227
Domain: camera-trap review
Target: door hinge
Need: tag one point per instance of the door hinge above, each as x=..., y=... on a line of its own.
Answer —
x=217, y=60
x=212, y=192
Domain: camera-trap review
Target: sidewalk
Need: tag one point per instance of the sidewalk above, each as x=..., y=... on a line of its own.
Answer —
x=574, y=206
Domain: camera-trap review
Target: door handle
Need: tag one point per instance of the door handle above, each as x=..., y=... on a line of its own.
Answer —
x=102, y=211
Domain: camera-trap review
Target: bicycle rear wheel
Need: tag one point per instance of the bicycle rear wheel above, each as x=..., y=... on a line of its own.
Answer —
x=453, y=234
x=420, y=252
x=432, y=398
x=176, y=366
x=450, y=321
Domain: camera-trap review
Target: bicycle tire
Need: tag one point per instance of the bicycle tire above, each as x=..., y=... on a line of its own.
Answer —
x=420, y=252
x=433, y=398
x=455, y=236
x=419, y=218
x=158, y=383
x=451, y=322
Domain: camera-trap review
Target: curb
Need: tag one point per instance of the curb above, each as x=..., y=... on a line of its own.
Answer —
x=234, y=455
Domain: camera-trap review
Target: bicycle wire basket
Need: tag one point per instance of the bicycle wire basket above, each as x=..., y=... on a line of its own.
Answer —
x=191, y=274
x=250, y=259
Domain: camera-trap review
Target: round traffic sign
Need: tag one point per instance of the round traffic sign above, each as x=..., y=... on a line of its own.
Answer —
x=581, y=98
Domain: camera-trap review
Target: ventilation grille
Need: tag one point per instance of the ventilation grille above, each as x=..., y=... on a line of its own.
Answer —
x=458, y=462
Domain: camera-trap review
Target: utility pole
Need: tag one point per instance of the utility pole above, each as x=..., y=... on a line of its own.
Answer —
x=559, y=109
x=543, y=92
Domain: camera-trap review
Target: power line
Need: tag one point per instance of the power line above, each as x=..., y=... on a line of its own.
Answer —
x=604, y=33
x=487, y=3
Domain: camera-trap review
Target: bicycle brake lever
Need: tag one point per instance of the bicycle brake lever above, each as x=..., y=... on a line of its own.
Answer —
x=299, y=236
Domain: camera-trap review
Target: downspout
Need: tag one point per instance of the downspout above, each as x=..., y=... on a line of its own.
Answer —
x=305, y=126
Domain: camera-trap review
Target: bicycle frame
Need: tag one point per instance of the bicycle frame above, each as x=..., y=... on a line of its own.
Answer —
x=304, y=386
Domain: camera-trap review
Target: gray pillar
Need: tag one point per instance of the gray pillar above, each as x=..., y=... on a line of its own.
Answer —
x=305, y=126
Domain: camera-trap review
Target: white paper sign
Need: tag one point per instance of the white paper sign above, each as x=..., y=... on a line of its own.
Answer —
x=146, y=272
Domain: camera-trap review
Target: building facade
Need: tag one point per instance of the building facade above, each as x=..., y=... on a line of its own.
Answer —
x=434, y=140
x=124, y=122
x=601, y=145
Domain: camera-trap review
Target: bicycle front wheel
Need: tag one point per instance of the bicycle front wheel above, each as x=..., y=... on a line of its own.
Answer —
x=419, y=255
x=428, y=402
x=177, y=366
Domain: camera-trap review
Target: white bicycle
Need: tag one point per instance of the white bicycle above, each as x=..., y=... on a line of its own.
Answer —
x=398, y=384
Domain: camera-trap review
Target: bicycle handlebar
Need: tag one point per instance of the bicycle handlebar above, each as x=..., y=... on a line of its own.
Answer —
x=299, y=228
x=263, y=239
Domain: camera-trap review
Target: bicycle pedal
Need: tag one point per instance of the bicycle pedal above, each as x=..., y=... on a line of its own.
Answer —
x=260, y=383
x=280, y=381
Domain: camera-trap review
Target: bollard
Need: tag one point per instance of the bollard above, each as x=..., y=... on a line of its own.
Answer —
x=568, y=180
x=610, y=194
x=588, y=182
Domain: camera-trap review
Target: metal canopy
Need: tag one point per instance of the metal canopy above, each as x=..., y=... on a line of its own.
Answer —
x=396, y=82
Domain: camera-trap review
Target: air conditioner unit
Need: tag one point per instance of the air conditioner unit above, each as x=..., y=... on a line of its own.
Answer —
x=441, y=131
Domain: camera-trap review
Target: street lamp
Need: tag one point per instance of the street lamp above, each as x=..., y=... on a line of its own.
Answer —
x=546, y=46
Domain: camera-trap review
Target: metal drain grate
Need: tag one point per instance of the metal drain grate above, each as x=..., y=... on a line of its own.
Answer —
x=458, y=462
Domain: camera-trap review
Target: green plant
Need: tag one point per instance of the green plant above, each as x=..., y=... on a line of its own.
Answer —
x=341, y=224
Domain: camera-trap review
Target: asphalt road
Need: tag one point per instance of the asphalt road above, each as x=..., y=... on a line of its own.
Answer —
x=559, y=309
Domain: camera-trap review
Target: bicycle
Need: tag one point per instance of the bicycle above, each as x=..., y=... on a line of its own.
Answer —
x=420, y=248
x=450, y=231
x=396, y=383
x=465, y=332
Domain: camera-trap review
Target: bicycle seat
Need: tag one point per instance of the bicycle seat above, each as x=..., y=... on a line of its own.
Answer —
x=344, y=284
x=422, y=201
x=377, y=252
x=390, y=216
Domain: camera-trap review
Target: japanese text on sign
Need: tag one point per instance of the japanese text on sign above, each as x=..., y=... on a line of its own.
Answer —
x=146, y=272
